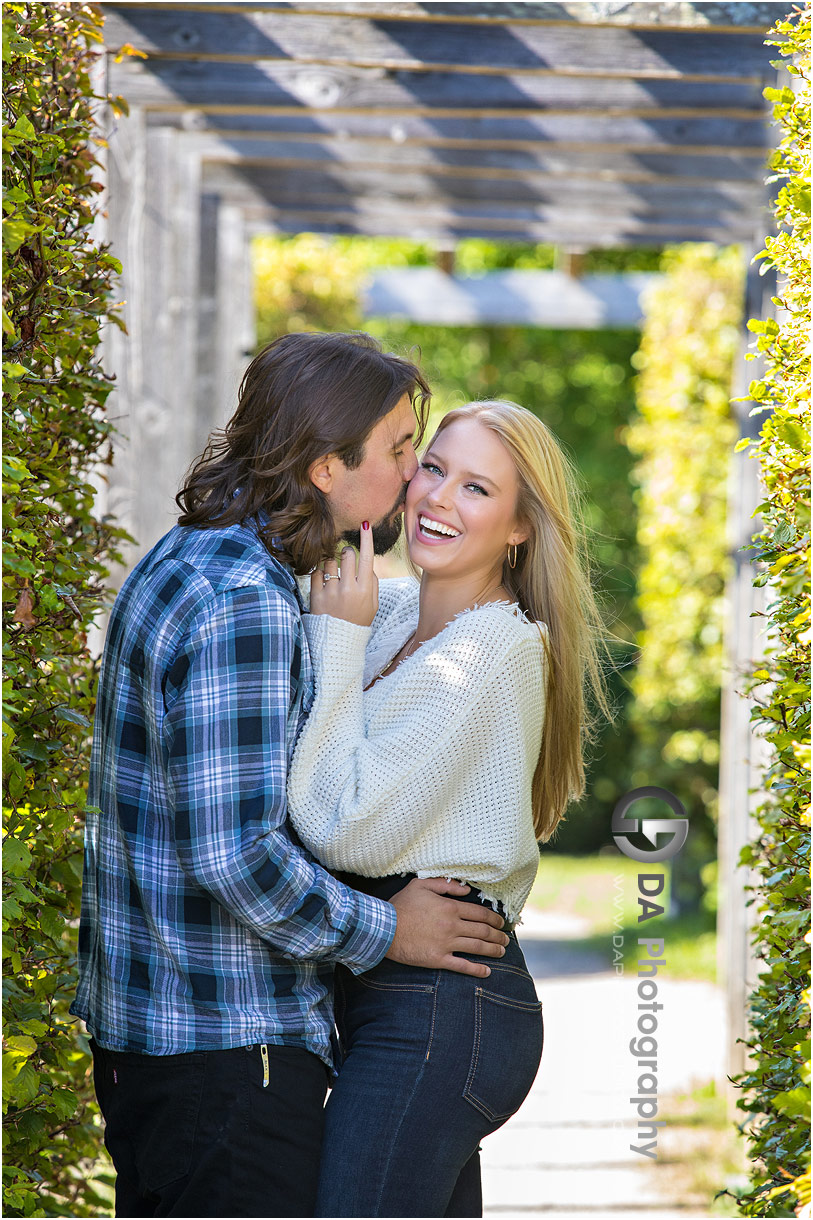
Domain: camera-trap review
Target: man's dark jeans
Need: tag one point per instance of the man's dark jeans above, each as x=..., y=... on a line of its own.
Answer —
x=200, y=1134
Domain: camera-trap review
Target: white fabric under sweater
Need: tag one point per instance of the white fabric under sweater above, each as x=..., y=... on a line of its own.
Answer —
x=429, y=771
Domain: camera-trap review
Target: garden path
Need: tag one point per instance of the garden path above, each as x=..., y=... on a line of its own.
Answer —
x=567, y=1151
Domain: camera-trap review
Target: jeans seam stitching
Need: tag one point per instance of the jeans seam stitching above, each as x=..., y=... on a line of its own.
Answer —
x=475, y=1058
x=420, y=988
x=432, y=1024
x=396, y=1134
x=519, y=1005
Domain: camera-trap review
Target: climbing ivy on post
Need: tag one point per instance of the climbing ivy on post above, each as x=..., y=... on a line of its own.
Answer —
x=56, y=438
x=776, y=1089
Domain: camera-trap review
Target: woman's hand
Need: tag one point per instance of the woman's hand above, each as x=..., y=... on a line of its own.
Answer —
x=352, y=594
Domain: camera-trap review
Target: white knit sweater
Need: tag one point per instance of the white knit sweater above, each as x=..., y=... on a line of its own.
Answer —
x=429, y=771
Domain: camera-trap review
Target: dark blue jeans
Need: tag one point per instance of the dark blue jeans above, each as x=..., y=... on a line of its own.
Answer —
x=433, y=1062
x=202, y=1134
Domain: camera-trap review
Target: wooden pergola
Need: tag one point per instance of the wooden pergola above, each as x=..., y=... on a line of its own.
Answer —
x=581, y=124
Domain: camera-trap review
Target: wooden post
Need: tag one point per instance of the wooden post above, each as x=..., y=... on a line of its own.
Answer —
x=154, y=221
x=235, y=297
x=226, y=314
x=125, y=161
x=743, y=755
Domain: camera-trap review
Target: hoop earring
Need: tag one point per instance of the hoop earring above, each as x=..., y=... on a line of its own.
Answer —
x=510, y=564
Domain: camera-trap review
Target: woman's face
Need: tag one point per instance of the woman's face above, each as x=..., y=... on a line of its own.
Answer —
x=461, y=505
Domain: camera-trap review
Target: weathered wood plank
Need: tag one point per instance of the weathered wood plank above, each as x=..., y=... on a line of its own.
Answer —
x=154, y=217
x=225, y=314
x=506, y=48
x=588, y=132
x=343, y=185
x=518, y=218
x=437, y=222
x=261, y=84
x=477, y=159
x=507, y=298
x=600, y=238
x=641, y=14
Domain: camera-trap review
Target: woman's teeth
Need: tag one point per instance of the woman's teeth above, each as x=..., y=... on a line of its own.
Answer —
x=429, y=526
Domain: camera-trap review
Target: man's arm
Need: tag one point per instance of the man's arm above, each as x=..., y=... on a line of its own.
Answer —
x=226, y=756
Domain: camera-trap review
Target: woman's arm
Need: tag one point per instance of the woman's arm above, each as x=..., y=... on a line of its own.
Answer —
x=360, y=798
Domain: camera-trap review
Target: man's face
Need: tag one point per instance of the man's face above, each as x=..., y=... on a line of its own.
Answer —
x=375, y=491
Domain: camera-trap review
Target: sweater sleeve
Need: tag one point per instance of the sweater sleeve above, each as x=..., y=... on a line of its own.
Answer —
x=360, y=796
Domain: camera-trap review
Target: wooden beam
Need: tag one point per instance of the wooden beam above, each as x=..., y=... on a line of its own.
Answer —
x=507, y=298
x=262, y=84
x=643, y=14
x=345, y=186
x=501, y=215
x=475, y=160
x=442, y=225
x=457, y=46
x=590, y=131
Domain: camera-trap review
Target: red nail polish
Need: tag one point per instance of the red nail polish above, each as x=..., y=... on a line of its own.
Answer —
x=365, y=525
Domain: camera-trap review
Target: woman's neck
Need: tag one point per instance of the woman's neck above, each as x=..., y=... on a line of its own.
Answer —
x=442, y=598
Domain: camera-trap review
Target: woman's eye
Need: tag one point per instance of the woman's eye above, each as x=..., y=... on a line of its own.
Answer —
x=476, y=487
x=430, y=466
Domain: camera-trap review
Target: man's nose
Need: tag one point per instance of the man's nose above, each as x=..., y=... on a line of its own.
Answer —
x=409, y=464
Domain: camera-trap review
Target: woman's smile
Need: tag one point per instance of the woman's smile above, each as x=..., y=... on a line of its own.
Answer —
x=432, y=531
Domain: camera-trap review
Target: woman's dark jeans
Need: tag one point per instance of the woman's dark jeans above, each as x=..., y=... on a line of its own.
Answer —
x=433, y=1062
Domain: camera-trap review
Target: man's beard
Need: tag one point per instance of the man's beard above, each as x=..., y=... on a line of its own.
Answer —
x=386, y=532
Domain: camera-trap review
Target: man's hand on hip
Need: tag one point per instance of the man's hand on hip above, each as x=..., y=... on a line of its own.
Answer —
x=433, y=925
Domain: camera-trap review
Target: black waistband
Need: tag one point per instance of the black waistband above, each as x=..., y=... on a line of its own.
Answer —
x=386, y=887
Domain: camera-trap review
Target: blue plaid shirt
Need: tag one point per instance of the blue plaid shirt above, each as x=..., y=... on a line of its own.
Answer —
x=205, y=924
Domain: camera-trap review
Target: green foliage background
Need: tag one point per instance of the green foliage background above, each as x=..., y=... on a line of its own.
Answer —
x=56, y=297
x=776, y=1088
x=683, y=436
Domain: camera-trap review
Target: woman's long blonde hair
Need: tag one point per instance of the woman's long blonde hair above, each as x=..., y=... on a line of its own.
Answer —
x=552, y=584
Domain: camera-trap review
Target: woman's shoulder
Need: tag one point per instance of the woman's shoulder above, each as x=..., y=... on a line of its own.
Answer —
x=501, y=622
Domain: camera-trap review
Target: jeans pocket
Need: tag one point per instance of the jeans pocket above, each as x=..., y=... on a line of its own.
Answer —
x=507, y=1046
x=151, y=1114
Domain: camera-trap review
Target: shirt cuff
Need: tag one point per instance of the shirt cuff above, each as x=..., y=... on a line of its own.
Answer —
x=373, y=932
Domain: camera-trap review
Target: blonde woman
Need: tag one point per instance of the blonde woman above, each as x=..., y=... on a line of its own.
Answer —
x=446, y=740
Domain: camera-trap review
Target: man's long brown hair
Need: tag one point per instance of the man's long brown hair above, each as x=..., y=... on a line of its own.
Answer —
x=303, y=397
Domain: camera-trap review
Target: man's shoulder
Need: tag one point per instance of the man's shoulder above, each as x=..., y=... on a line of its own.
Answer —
x=223, y=559
x=188, y=572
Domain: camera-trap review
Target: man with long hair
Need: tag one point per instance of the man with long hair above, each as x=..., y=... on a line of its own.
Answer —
x=208, y=934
